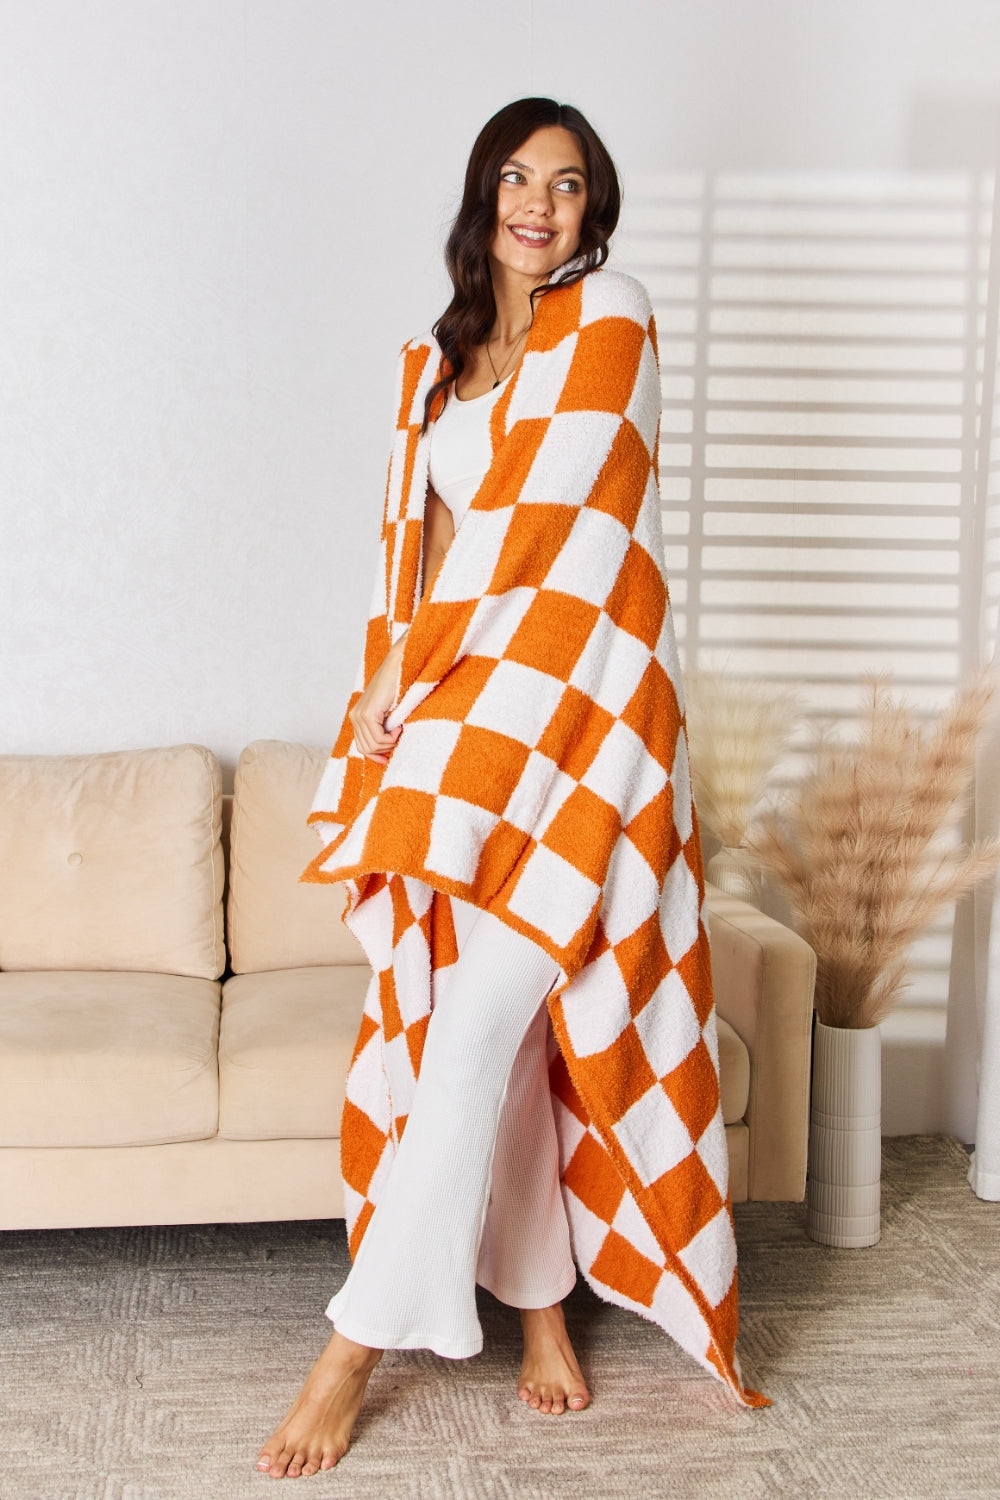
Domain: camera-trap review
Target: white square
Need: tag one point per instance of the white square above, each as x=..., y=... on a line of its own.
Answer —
x=648, y=529
x=553, y=896
x=595, y=1006
x=411, y=969
x=624, y=773
x=422, y=751
x=331, y=784
x=397, y=468
x=630, y=1224
x=494, y=621
x=540, y=381
x=646, y=401
x=518, y=701
x=540, y=779
x=674, y=1308
x=569, y=1131
x=711, y=1147
x=590, y=559
x=559, y=788
x=679, y=910
x=471, y=560
x=680, y=780
x=587, y=1232
x=458, y=831
x=631, y=891
x=653, y=1135
x=665, y=652
x=667, y=1025
x=711, y=1256
x=610, y=666
x=570, y=457
x=613, y=294
x=416, y=498
x=399, y=1072
x=366, y=1083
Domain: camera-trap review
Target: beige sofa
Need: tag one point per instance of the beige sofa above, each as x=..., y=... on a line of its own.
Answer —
x=142, y=1082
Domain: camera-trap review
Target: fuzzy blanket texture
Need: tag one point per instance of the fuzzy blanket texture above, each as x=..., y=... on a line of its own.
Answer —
x=542, y=775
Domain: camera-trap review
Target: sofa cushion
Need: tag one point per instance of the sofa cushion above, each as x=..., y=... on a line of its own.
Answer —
x=107, y=1059
x=734, y=1073
x=112, y=862
x=284, y=1048
x=275, y=921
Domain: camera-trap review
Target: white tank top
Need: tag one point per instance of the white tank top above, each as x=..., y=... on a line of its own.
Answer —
x=461, y=451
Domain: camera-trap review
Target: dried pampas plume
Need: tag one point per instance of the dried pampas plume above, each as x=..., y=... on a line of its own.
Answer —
x=859, y=851
x=737, y=730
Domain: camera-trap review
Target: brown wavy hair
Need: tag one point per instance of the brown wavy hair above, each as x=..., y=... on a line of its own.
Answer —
x=469, y=316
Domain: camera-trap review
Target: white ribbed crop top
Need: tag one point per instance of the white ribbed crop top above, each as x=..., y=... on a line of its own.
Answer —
x=461, y=451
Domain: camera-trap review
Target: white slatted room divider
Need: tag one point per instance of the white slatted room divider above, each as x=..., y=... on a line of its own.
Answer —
x=823, y=342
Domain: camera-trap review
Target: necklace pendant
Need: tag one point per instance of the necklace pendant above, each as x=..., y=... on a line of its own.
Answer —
x=495, y=384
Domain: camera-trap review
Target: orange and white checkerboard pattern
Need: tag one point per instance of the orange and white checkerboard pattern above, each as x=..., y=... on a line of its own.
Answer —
x=542, y=774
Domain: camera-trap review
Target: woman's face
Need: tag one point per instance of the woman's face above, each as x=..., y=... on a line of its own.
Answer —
x=540, y=204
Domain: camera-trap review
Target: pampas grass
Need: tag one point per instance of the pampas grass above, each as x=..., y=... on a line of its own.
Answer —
x=737, y=730
x=859, y=852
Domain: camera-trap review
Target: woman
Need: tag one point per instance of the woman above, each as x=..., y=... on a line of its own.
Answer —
x=536, y=1077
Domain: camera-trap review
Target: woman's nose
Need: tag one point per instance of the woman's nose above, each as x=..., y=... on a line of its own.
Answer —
x=537, y=198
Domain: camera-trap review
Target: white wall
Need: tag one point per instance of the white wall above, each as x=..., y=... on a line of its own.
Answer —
x=220, y=222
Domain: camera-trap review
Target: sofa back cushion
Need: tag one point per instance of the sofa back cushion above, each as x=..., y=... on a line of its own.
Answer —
x=275, y=921
x=112, y=862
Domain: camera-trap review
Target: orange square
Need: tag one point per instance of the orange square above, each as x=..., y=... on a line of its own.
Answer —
x=416, y=1035
x=561, y=1085
x=457, y=692
x=414, y=361
x=653, y=714
x=504, y=846
x=360, y=1225
x=575, y=732
x=400, y=828
x=693, y=1088
x=591, y=1175
x=556, y=316
x=392, y=1023
x=620, y=1266
x=653, y=833
x=361, y=1147
x=553, y=633
x=639, y=597
x=603, y=371
x=642, y=958
x=534, y=537
x=583, y=832
x=436, y=635
x=681, y=1202
x=695, y=968
x=512, y=465
x=617, y=1077
x=621, y=485
x=484, y=768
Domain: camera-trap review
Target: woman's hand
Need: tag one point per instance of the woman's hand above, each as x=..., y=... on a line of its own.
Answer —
x=369, y=713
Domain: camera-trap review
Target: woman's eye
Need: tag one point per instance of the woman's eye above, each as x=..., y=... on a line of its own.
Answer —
x=570, y=185
x=512, y=175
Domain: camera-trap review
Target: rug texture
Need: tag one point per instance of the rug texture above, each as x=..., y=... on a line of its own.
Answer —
x=150, y=1364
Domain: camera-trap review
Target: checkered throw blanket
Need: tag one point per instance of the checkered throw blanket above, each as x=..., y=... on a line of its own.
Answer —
x=542, y=775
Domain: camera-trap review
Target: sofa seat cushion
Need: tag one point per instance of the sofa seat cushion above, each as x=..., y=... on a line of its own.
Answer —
x=734, y=1073
x=107, y=1059
x=285, y=1045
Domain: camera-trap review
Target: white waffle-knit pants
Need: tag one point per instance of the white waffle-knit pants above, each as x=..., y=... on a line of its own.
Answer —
x=473, y=1192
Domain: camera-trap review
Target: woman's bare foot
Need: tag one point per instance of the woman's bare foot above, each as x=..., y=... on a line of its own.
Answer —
x=316, y=1433
x=551, y=1379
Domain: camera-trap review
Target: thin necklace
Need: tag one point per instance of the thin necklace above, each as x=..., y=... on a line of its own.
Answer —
x=497, y=378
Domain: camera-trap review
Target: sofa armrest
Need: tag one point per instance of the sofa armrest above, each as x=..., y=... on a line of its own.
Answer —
x=764, y=976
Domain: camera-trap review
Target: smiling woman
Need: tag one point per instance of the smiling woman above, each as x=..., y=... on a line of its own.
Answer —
x=535, y=1084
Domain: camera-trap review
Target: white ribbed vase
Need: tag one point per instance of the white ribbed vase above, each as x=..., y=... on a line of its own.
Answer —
x=844, y=1188
x=732, y=872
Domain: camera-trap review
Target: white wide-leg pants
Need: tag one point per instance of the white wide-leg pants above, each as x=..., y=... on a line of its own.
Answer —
x=473, y=1193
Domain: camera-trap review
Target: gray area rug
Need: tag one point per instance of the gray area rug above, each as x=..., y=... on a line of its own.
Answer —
x=150, y=1364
